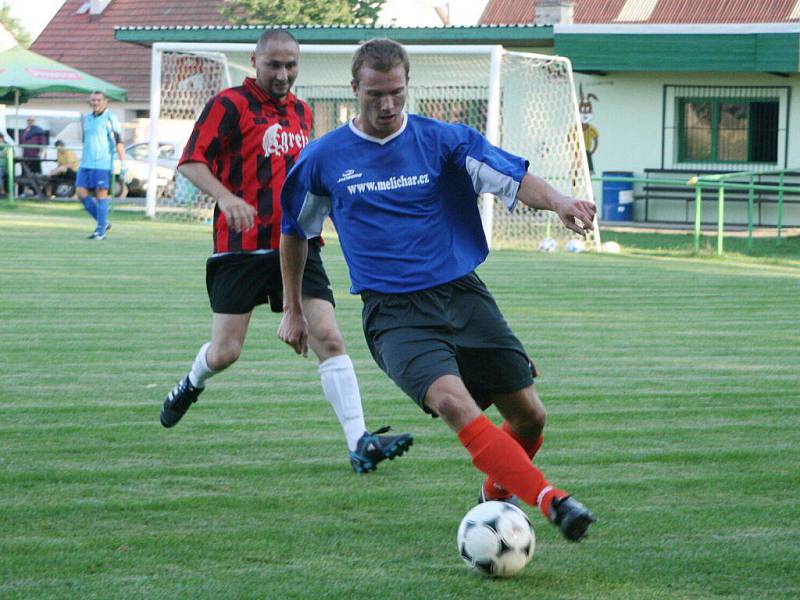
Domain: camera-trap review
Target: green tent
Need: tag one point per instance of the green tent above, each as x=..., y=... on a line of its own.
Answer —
x=25, y=74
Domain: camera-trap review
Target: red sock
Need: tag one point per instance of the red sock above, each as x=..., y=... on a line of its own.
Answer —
x=491, y=488
x=497, y=454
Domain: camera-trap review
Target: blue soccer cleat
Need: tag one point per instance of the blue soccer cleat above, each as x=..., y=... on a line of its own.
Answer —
x=372, y=448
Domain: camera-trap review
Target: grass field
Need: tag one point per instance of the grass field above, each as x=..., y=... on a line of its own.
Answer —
x=672, y=384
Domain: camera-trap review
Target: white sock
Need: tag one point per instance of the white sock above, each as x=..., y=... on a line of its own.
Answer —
x=340, y=386
x=200, y=371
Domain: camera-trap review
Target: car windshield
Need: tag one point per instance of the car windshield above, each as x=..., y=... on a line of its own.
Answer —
x=166, y=151
x=142, y=151
x=137, y=152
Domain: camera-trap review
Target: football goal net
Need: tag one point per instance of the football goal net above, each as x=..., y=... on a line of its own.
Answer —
x=524, y=102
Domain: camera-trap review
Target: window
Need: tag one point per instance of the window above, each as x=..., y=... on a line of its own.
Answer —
x=137, y=151
x=728, y=130
x=724, y=127
x=166, y=151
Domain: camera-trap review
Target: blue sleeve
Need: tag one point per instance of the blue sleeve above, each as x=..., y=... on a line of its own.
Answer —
x=304, y=202
x=492, y=170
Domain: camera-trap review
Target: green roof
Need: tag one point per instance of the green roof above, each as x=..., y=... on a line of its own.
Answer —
x=694, y=48
x=762, y=52
x=508, y=35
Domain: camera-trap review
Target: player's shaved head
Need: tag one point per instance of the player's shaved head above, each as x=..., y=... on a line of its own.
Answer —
x=269, y=35
x=276, y=61
x=380, y=54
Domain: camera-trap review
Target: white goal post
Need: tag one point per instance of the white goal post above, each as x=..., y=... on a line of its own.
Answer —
x=523, y=102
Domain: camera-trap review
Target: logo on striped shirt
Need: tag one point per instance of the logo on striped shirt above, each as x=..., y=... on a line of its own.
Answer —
x=278, y=142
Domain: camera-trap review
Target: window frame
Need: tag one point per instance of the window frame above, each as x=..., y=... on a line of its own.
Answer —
x=673, y=134
x=716, y=104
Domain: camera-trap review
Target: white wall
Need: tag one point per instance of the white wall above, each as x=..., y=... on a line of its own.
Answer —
x=628, y=115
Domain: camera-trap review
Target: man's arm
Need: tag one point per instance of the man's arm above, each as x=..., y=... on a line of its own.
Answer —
x=577, y=215
x=293, y=328
x=240, y=215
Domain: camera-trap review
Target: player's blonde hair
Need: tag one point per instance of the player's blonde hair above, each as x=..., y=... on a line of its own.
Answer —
x=380, y=54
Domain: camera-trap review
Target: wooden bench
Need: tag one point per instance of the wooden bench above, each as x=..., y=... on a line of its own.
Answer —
x=660, y=192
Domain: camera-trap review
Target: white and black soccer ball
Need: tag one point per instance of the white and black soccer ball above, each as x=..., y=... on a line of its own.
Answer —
x=548, y=245
x=496, y=539
x=575, y=245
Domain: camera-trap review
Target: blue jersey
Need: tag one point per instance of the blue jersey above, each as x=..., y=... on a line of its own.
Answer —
x=405, y=207
x=100, y=135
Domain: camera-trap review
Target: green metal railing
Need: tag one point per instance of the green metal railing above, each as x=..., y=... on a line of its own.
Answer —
x=8, y=157
x=722, y=182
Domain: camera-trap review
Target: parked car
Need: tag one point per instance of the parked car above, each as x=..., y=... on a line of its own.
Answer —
x=65, y=187
x=138, y=166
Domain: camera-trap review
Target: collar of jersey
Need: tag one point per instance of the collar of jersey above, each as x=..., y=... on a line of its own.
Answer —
x=380, y=141
x=253, y=87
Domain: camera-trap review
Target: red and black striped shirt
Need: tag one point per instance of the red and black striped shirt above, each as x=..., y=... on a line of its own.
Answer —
x=249, y=141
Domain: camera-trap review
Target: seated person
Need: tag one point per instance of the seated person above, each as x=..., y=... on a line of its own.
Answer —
x=66, y=169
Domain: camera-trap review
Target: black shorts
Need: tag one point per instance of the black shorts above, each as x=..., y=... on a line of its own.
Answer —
x=239, y=282
x=451, y=329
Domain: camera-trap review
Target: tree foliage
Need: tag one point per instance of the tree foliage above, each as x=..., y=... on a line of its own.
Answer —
x=302, y=12
x=13, y=26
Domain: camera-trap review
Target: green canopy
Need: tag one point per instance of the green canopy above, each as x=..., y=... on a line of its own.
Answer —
x=25, y=74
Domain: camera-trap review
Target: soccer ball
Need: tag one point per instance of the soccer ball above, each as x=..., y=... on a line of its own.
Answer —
x=575, y=245
x=496, y=539
x=548, y=245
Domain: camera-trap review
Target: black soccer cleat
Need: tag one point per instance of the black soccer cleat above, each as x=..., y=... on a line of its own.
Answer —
x=178, y=402
x=96, y=235
x=508, y=499
x=572, y=517
x=372, y=448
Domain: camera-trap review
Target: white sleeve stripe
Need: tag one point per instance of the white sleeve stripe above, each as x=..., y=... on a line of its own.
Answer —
x=313, y=213
x=487, y=180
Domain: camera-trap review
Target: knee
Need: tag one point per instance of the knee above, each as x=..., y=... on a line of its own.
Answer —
x=222, y=356
x=529, y=423
x=455, y=409
x=538, y=417
x=327, y=342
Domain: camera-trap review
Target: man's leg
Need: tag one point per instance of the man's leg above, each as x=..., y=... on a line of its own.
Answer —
x=340, y=386
x=339, y=382
x=525, y=416
x=88, y=201
x=101, y=195
x=498, y=455
x=227, y=337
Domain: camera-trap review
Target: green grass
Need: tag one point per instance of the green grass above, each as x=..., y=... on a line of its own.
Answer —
x=764, y=249
x=672, y=385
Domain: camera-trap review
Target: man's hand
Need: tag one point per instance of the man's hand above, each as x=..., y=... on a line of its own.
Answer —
x=239, y=214
x=577, y=215
x=294, y=330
